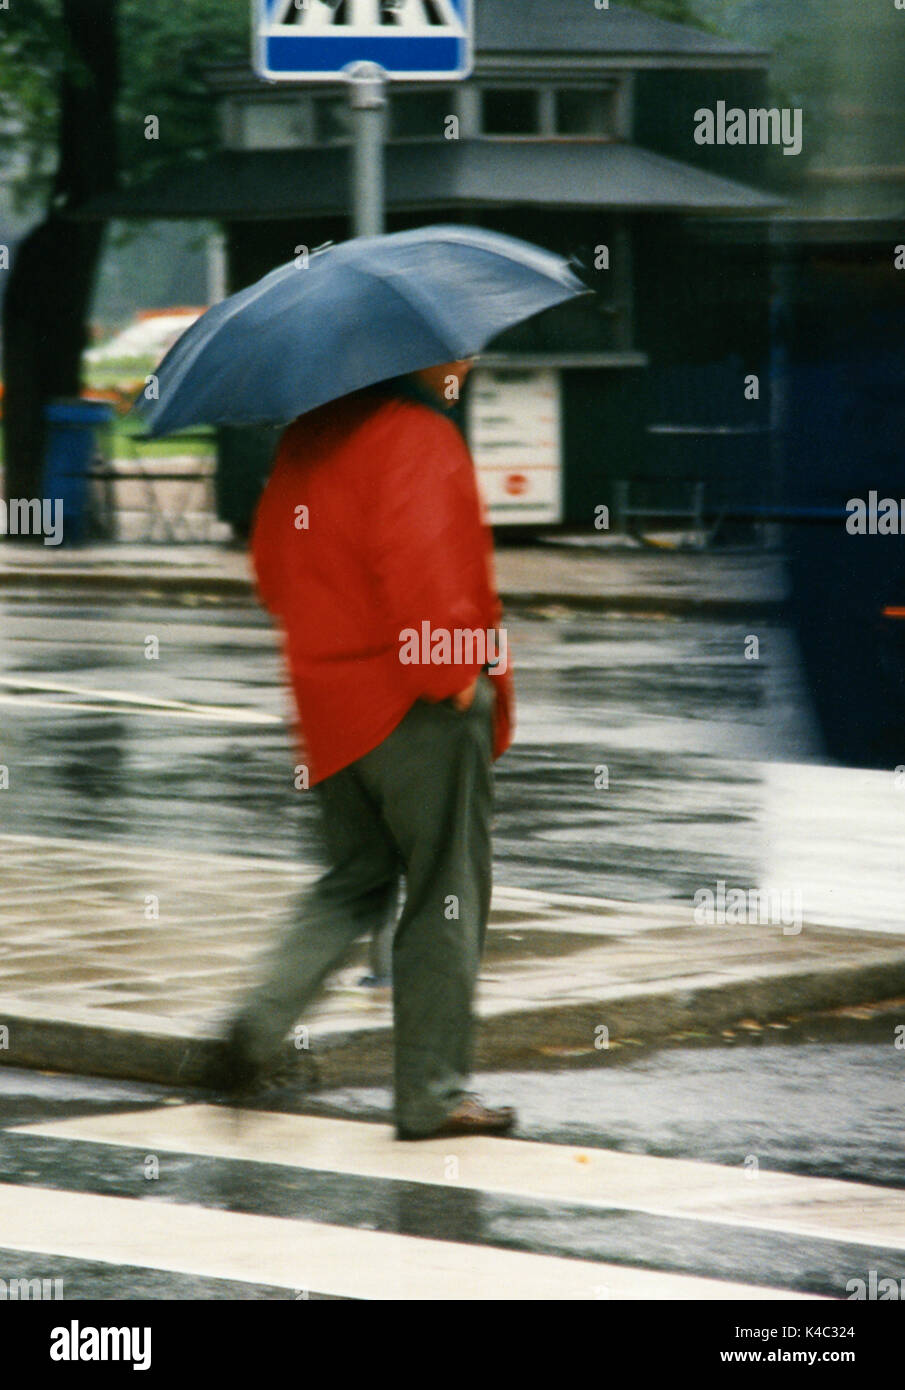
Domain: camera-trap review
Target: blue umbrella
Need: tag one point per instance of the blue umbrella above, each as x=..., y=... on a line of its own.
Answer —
x=357, y=313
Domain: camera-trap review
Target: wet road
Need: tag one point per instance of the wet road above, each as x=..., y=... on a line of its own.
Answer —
x=103, y=742
x=805, y=1108
x=191, y=748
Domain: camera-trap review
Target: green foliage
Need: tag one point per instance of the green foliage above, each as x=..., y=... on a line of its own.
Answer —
x=677, y=11
x=164, y=45
x=165, y=48
x=31, y=58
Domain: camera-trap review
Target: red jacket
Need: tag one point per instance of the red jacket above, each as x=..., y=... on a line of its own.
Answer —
x=393, y=537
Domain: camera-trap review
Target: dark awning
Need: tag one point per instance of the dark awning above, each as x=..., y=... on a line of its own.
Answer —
x=537, y=26
x=427, y=175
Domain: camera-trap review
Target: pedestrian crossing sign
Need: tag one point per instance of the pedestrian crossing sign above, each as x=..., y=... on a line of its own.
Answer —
x=318, y=40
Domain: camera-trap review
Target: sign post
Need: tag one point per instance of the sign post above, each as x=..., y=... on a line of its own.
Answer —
x=367, y=97
x=368, y=43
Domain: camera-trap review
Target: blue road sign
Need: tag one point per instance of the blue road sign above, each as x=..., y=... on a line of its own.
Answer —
x=316, y=40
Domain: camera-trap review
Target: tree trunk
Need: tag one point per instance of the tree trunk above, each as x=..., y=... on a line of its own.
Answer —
x=51, y=282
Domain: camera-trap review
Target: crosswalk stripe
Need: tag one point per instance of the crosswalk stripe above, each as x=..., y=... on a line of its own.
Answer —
x=824, y=1208
x=104, y=701
x=318, y=1258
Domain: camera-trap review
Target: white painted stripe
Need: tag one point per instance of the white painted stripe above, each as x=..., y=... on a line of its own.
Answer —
x=106, y=700
x=820, y=1208
x=305, y=1255
x=72, y=706
x=64, y=688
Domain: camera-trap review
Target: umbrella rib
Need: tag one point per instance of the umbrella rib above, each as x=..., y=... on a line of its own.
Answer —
x=192, y=353
x=415, y=301
x=440, y=326
x=535, y=257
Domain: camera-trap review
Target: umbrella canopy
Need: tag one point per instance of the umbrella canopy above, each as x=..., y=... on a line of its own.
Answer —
x=355, y=314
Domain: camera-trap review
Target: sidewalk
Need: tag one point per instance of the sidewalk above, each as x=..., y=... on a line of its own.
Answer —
x=89, y=985
x=599, y=574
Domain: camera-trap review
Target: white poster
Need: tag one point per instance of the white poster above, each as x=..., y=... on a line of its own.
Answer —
x=514, y=429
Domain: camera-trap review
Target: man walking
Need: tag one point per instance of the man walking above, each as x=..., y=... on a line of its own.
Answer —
x=371, y=551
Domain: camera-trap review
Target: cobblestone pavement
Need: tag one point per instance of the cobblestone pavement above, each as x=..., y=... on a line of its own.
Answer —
x=118, y=959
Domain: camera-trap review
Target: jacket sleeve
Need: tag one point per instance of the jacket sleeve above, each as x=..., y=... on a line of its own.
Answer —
x=429, y=544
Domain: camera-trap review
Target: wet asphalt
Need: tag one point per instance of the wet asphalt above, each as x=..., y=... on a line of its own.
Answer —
x=819, y=1108
x=683, y=725
x=669, y=707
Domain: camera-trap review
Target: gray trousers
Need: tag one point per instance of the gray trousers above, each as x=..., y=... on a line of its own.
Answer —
x=420, y=805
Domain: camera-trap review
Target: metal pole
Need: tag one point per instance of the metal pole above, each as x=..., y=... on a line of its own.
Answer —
x=367, y=98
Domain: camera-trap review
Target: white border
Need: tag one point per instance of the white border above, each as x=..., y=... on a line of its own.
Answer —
x=260, y=36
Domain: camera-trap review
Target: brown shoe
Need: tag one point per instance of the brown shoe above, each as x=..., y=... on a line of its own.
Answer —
x=470, y=1116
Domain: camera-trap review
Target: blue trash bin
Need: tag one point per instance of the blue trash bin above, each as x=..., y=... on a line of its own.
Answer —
x=72, y=446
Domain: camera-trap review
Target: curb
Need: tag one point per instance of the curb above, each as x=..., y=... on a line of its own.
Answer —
x=521, y=1037
x=37, y=583
x=40, y=583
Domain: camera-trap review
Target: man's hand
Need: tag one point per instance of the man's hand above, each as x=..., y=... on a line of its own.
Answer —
x=463, y=701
